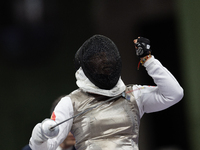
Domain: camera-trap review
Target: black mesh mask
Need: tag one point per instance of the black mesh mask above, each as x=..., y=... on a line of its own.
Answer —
x=100, y=60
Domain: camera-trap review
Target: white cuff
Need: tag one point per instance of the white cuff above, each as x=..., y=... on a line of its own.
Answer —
x=149, y=61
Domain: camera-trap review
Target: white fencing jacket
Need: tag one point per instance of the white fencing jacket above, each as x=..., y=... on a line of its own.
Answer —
x=166, y=93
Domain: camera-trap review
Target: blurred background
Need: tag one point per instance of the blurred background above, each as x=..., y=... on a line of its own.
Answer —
x=38, y=41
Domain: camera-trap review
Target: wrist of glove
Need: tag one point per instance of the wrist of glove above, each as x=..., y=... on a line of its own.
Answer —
x=42, y=131
x=37, y=134
x=142, y=46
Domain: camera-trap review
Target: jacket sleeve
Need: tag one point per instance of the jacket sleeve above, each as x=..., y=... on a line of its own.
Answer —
x=62, y=111
x=166, y=93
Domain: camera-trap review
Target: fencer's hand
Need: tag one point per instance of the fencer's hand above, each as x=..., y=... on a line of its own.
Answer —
x=37, y=135
x=142, y=46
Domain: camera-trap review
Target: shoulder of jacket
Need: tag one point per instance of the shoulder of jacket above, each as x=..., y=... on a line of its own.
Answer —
x=78, y=94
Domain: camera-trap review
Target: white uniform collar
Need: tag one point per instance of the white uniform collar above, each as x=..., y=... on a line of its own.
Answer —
x=86, y=85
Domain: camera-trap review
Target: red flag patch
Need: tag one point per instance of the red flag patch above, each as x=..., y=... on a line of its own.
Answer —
x=53, y=116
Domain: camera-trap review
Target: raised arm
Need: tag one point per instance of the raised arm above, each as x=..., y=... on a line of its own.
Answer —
x=167, y=91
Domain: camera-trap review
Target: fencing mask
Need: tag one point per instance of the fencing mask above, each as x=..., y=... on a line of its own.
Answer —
x=100, y=60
